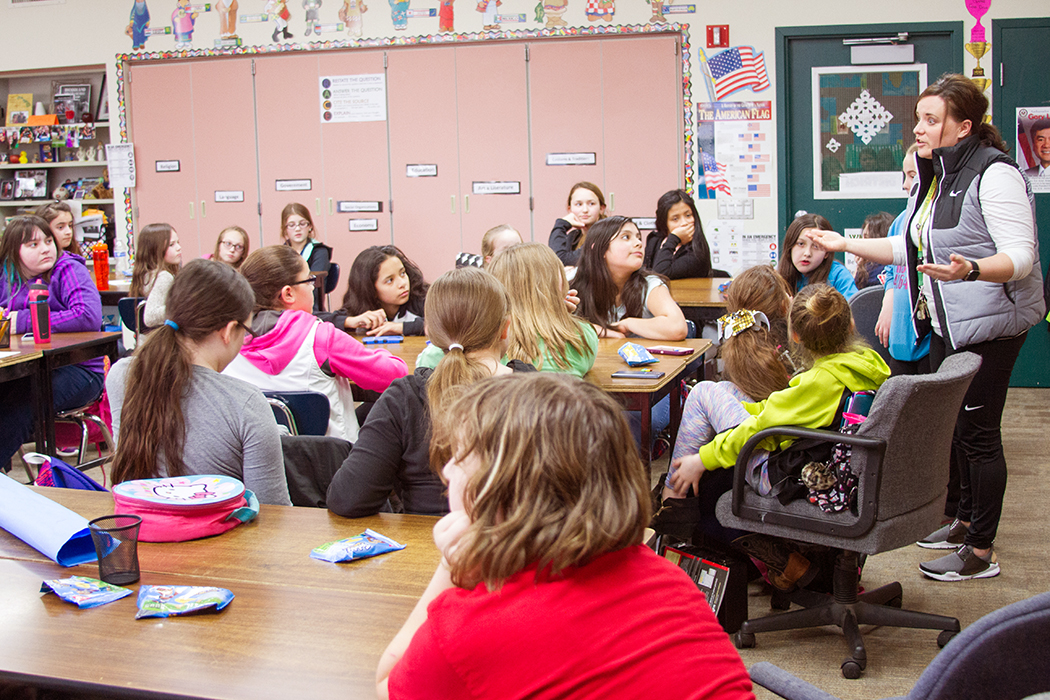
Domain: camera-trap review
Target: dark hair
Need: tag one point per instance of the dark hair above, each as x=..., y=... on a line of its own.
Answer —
x=876, y=225
x=269, y=270
x=964, y=101
x=822, y=319
x=595, y=285
x=244, y=239
x=361, y=295
x=151, y=247
x=301, y=210
x=699, y=244
x=204, y=298
x=50, y=211
x=787, y=268
x=20, y=230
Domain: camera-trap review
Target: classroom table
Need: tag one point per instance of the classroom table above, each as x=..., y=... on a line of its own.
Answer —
x=298, y=627
x=698, y=291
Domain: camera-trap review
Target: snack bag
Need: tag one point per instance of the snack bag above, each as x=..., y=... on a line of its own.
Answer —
x=84, y=592
x=167, y=601
x=367, y=544
x=635, y=355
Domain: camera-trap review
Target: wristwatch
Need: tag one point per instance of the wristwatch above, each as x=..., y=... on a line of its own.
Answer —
x=974, y=273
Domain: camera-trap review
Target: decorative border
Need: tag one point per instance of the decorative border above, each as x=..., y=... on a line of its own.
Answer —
x=430, y=39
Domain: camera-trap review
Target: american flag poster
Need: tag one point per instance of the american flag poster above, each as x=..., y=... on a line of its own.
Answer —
x=737, y=68
x=733, y=137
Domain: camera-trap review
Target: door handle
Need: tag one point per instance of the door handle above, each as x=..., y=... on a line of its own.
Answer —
x=612, y=201
x=317, y=206
x=331, y=206
x=466, y=204
x=452, y=205
x=191, y=210
x=202, y=209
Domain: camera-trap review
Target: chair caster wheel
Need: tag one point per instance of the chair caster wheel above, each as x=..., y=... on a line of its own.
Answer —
x=895, y=602
x=744, y=640
x=851, y=669
x=944, y=637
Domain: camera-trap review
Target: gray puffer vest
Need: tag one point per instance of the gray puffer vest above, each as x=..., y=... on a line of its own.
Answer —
x=968, y=312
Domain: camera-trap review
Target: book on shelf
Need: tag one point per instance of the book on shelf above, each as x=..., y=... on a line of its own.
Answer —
x=19, y=107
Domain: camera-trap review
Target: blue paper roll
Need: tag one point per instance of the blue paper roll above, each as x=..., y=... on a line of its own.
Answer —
x=52, y=529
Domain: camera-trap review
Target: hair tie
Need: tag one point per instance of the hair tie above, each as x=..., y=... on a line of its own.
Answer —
x=740, y=321
x=171, y=324
x=453, y=346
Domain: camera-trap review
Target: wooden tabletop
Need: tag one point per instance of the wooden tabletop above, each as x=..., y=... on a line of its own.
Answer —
x=298, y=626
x=698, y=291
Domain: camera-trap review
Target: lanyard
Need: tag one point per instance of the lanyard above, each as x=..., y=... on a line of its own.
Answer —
x=925, y=212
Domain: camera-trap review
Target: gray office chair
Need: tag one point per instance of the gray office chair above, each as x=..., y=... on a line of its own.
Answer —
x=866, y=306
x=1002, y=655
x=900, y=456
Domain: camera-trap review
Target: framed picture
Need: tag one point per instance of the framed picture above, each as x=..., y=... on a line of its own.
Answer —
x=102, y=113
x=30, y=184
x=80, y=104
x=7, y=189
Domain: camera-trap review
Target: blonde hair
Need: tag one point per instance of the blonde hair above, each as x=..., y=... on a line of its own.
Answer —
x=559, y=479
x=822, y=320
x=467, y=308
x=488, y=241
x=535, y=281
x=244, y=242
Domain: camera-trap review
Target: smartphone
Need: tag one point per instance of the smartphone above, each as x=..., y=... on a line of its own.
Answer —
x=637, y=374
x=384, y=340
x=669, y=350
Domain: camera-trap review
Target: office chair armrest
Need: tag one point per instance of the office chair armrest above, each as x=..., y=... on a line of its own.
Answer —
x=867, y=486
x=778, y=681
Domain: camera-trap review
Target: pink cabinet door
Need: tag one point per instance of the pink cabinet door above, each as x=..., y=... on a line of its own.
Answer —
x=354, y=166
x=224, y=150
x=289, y=138
x=565, y=105
x=161, y=127
x=424, y=150
x=642, y=108
x=492, y=106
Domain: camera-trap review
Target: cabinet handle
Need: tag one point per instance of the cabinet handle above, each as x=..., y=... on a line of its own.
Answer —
x=612, y=201
x=452, y=205
x=331, y=206
x=191, y=210
x=466, y=204
x=317, y=206
x=203, y=214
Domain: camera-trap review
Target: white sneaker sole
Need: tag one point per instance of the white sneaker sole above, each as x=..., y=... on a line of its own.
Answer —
x=938, y=545
x=990, y=572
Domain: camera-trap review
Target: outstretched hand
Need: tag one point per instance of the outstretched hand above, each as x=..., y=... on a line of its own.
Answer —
x=958, y=268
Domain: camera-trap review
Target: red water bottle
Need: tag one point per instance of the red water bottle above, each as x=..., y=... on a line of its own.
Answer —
x=41, y=313
x=100, y=262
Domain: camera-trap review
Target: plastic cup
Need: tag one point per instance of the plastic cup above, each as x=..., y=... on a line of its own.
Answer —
x=116, y=539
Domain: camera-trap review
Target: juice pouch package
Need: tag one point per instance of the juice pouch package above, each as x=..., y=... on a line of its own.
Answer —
x=368, y=544
x=167, y=601
x=635, y=354
x=84, y=592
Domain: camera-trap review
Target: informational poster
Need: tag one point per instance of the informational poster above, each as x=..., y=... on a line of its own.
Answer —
x=736, y=147
x=850, y=258
x=862, y=121
x=353, y=98
x=121, y=157
x=1033, y=145
x=734, y=250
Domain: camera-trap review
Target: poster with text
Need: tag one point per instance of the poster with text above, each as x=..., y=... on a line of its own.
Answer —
x=353, y=98
x=735, y=140
x=734, y=250
x=1033, y=145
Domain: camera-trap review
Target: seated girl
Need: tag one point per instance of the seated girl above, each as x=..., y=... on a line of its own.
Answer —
x=807, y=262
x=59, y=216
x=545, y=589
x=297, y=232
x=28, y=256
x=385, y=296
x=821, y=322
x=174, y=413
x=158, y=257
x=616, y=293
x=876, y=225
x=232, y=247
x=586, y=207
x=292, y=350
x=678, y=247
x=496, y=240
x=467, y=317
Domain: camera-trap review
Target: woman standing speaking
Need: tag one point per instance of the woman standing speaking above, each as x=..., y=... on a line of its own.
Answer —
x=973, y=257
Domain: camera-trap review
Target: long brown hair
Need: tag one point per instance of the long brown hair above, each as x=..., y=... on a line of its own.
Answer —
x=244, y=242
x=269, y=270
x=595, y=285
x=535, y=281
x=19, y=230
x=559, y=479
x=876, y=225
x=699, y=245
x=361, y=294
x=756, y=360
x=597, y=192
x=205, y=297
x=150, y=249
x=964, y=101
x=466, y=307
x=50, y=211
x=787, y=268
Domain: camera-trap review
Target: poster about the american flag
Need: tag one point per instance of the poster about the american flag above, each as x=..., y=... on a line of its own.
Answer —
x=736, y=148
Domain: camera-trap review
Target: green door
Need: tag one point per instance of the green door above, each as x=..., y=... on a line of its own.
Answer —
x=800, y=49
x=1021, y=78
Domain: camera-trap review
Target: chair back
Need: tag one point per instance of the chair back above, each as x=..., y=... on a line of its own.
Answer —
x=332, y=279
x=866, y=306
x=131, y=311
x=302, y=412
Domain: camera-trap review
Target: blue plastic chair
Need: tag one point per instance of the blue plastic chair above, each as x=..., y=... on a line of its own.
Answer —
x=330, y=283
x=302, y=412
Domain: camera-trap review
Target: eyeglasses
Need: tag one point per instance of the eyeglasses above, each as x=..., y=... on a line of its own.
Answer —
x=309, y=280
x=232, y=246
x=292, y=226
x=247, y=330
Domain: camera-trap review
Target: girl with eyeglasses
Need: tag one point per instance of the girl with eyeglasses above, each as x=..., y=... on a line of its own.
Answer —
x=290, y=349
x=174, y=413
x=232, y=247
x=297, y=231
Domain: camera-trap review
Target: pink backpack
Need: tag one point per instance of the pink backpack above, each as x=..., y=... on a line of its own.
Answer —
x=181, y=508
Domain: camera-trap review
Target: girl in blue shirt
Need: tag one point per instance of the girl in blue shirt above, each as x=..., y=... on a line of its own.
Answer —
x=802, y=262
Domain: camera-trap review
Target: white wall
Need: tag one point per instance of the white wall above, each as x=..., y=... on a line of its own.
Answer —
x=84, y=32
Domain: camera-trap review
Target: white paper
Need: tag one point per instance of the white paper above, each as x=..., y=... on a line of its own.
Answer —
x=121, y=162
x=851, y=259
x=353, y=98
x=52, y=529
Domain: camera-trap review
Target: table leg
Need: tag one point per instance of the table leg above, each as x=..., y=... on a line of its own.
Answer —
x=647, y=435
x=45, y=410
x=676, y=413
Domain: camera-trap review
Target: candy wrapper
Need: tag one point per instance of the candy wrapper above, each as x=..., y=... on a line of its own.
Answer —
x=168, y=601
x=368, y=544
x=635, y=354
x=84, y=592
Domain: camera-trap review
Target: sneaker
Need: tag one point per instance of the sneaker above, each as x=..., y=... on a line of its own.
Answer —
x=948, y=537
x=961, y=565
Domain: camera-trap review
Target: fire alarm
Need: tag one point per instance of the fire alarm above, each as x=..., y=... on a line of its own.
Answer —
x=717, y=36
